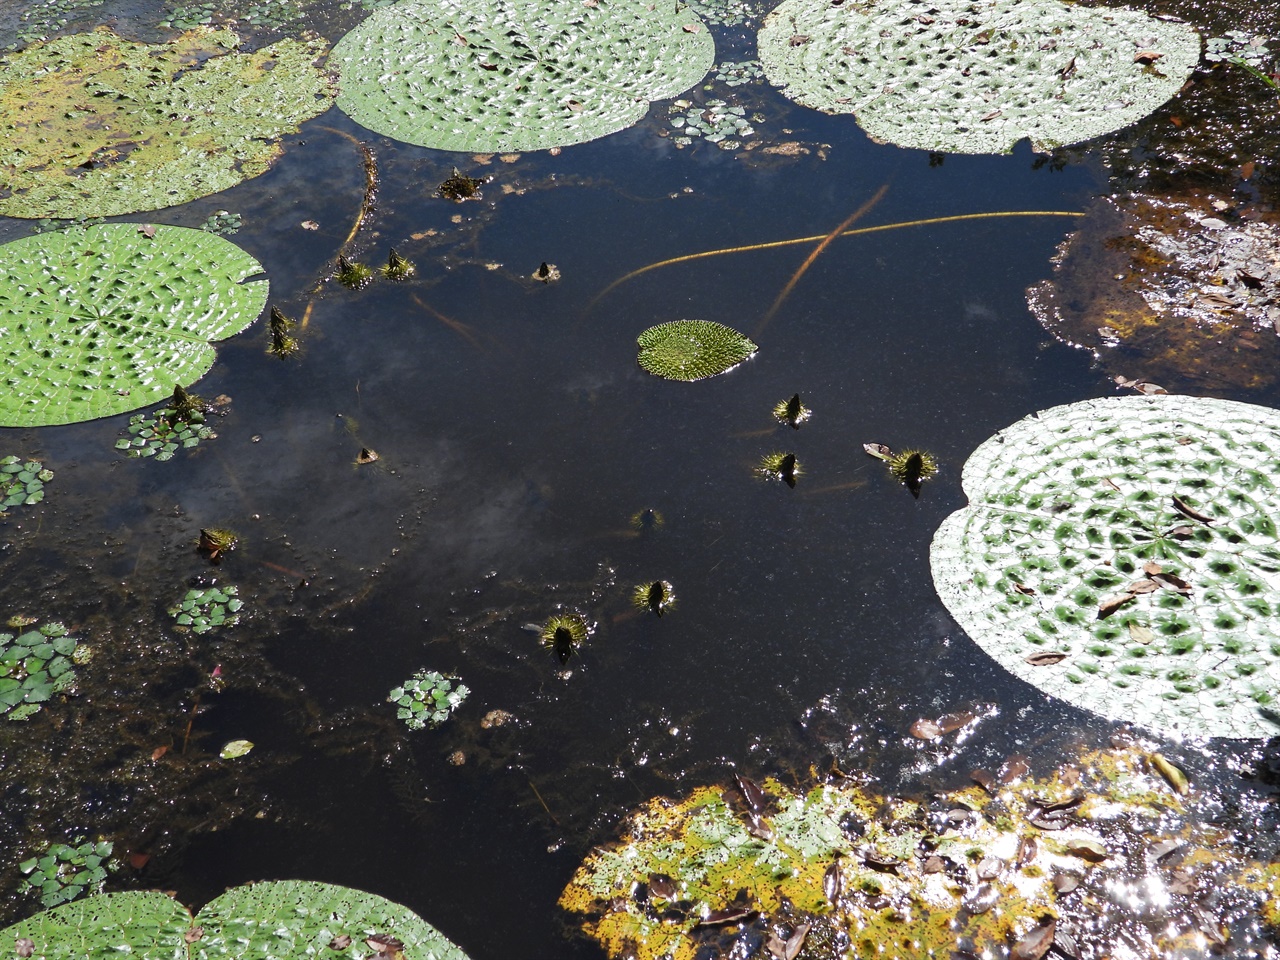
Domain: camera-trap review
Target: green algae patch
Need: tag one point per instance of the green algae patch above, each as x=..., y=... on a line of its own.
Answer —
x=977, y=78
x=94, y=125
x=510, y=75
x=692, y=349
x=845, y=872
x=104, y=320
x=1122, y=554
x=285, y=918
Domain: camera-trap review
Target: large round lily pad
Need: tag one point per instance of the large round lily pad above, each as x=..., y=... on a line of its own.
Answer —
x=286, y=918
x=507, y=75
x=965, y=77
x=96, y=125
x=692, y=349
x=107, y=319
x=1123, y=554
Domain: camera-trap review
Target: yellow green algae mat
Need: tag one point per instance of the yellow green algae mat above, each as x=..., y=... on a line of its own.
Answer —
x=1111, y=845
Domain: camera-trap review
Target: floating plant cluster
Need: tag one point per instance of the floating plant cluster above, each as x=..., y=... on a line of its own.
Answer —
x=427, y=699
x=34, y=666
x=203, y=608
x=286, y=918
x=838, y=871
x=692, y=349
x=63, y=872
x=714, y=121
x=22, y=482
x=164, y=433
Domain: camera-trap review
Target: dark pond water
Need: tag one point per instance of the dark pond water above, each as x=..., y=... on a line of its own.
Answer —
x=517, y=439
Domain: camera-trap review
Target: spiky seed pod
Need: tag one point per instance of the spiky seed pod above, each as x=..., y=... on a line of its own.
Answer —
x=282, y=343
x=564, y=634
x=658, y=596
x=647, y=520
x=353, y=274
x=792, y=412
x=398, y=268
x=912, y=468
x=780, y=466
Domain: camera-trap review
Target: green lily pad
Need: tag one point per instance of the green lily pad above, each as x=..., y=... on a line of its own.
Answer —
x=510, y=75
x=105, y=320
x=977, y=79
x=286, y=918
x=97, y=125
x=1123, y=554
x=692, y=349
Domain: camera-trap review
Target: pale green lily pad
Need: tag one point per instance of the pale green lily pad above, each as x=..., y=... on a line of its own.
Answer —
x=692, y=349
x=286, y=918
x=960, y=77
x=105, y=320
x=97, y=125
x=511, y=75
x=1048, y=568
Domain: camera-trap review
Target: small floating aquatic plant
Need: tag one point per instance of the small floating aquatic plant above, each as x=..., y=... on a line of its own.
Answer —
x=35, y=665
x=692, y=349
x=203, y=608
x=21, y=482
x=398, y=268
x=283, y=343
x=459, y=188
x=217, y=540
x=792, y=412
x=427, y=699
x=647, y=520
x=780, y=466
x=911, y=468
x=352, y=273
x=64, y=872
x=658, y=596
x=564, y=633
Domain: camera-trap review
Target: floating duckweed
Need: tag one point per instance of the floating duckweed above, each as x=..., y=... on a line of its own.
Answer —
x=692, y=349
x=217, y=541
x=398, y=268
x=734, y=73
x=459, y=188
x=792, y=412
x=22, y=482
x=223, y=223
x=164, y=433
x=33, y=667
x=780, y=466
x=202, y=609
x=564, y=633
x=283, y=343
x=715, y=121
x=353, y=274
x=62, y=873
x=658, y=596
x=427, y=699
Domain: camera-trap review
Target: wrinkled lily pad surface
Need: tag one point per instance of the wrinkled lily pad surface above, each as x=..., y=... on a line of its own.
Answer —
x=873, y=876
x=976, y=77
x=508, y=75
x=97, y=125
x=692, y=349
x=1175, y=291
x=1073, y=552
x=287, y=918
x=105, y=320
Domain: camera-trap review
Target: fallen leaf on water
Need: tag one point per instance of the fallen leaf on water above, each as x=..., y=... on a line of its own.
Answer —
x=309, y=225
x=1028, y=850
x=1142, y=586
x=1024, y=590
x=1150, y=568
x=1181, y=533
x=795, y=942
x=949, y=722
x=1109, y=605
x=992, y=115
x=138, y=860
x=728, y=915
x=1049, y=657
x=1035, y=943
x=925, y=729
x=1246, y=170
x=691, y=28
x=878, y=450
x=833, y=882
x=1140, y=634
x=340, y=942
x=983, y=778
x=1187, y=510
x=148, y=230
x=751, y=793
x=1172, y=774
x=1065, y=882
x=1171, y=582
x=159, y=752
x=662, y=886
x=1085, y=849
x=1147, y=57
x=235, y=748
x=193, y=934
x=1013, y=769
x=24, y=946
